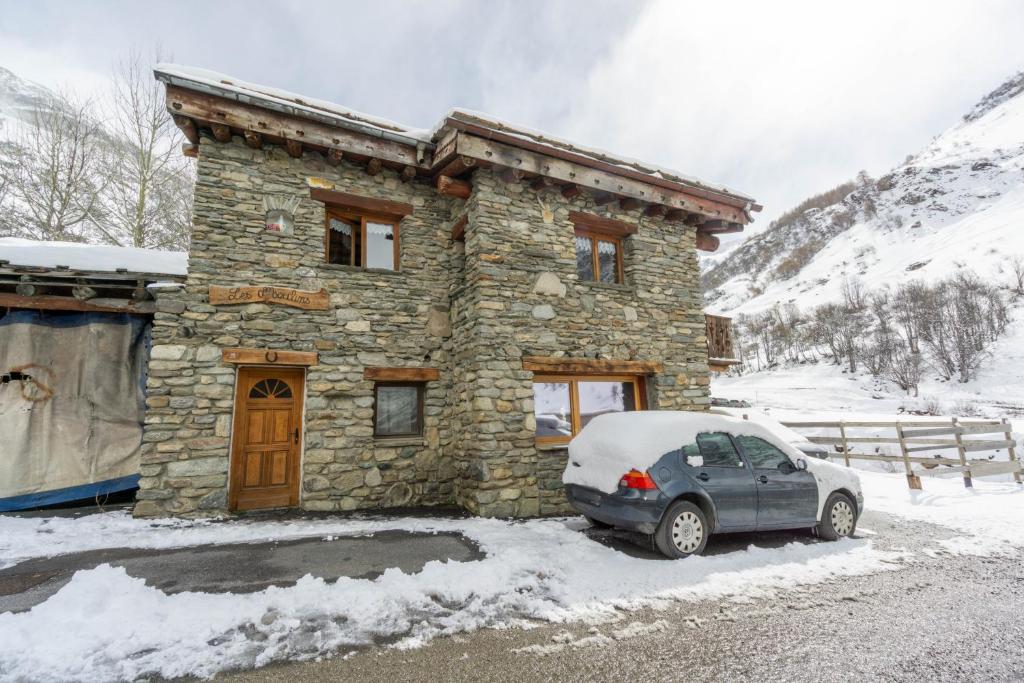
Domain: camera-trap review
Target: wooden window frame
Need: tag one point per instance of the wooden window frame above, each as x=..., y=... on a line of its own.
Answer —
x=639, y=398
x=419, y=386
x=361, y=219
x=595, y=236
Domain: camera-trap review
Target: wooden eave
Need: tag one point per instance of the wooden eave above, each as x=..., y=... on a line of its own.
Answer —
x=675, y=187
x=194, y=111
x=600, y=224
x=529, y=164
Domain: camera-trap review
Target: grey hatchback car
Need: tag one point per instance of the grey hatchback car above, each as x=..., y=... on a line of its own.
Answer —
x=729, y=476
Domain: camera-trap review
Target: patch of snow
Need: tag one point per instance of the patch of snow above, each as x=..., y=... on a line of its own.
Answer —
x=91, y=257
x=989, y=514
x=106, y=625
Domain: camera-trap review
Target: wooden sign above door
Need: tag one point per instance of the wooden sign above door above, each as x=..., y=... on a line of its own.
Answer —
x=297, y=298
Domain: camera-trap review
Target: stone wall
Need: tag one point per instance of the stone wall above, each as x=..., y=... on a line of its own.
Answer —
x=523, y=298
x=471, y=310
x=375, y=319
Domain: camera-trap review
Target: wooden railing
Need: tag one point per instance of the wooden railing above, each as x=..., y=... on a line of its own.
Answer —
x=718, y=330
x=914, y=437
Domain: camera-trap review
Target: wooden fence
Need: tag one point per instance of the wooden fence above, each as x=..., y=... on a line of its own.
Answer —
x=917, y=437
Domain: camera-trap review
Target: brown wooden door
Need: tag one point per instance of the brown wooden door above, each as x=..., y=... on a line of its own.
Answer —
x=267, y=436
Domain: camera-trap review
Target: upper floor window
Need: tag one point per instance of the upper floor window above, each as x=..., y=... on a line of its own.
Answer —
x=598, y=257
x=360, y=240
x=599, y=247
x=361, y=231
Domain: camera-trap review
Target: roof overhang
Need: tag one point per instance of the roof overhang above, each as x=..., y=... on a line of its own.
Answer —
x=222, y=107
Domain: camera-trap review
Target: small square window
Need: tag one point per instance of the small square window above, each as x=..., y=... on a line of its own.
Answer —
x=598, y=257
x=363, y=241
x=398, y=409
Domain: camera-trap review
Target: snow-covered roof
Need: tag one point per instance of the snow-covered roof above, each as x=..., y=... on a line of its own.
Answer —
x=91, y=257
x=223, y=85
x=217, y=83
x=546, y=139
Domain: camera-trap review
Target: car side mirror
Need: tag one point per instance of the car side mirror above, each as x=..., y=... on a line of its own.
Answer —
x=801, y=464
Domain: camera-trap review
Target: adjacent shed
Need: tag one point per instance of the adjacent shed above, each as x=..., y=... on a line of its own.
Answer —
x=74, y=330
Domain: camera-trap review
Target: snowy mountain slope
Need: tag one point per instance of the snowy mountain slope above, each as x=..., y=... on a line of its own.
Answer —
x=958, y=203
x=19, y=100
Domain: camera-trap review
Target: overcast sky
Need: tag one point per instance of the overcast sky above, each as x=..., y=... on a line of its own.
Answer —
x=777, y=99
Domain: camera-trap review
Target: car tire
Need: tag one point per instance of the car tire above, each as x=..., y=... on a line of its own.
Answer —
x=597, y=524
x=838, y=518
x=683, y=530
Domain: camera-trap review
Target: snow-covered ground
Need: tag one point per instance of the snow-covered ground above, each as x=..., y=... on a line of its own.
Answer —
x=106, y=625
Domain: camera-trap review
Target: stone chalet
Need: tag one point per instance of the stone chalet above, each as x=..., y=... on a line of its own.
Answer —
x=376, y=316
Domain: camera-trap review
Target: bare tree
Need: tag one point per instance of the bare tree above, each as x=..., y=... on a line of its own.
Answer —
x=905, y=369
x=854, y=294
x=1017, y=268
x=54, y=177
x=148, y=201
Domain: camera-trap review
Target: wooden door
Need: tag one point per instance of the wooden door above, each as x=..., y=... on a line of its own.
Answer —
x=267, y=438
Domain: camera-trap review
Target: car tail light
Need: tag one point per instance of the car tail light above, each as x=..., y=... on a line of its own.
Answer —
x=635, y=479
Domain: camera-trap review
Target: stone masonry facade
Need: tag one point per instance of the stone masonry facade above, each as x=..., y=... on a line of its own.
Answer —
x=471, y=309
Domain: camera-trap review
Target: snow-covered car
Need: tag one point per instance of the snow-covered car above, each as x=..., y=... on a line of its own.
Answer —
x=798, y=441
x=682, y=476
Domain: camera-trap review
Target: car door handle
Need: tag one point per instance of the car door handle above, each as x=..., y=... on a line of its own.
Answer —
x=703, y=476
x=763, y=479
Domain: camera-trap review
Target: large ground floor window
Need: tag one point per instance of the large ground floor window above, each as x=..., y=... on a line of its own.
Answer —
x=563, y=405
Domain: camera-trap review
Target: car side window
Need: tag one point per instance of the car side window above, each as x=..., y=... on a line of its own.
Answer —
x=717, y=450
x=761, y=454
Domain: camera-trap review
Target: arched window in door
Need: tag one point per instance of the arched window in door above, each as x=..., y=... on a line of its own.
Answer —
x=270, y=388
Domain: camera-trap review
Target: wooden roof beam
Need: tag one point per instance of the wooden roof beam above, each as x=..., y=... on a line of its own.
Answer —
x=334, y=156
x=457, y=166
x=655, y=211
x=570, y=191
x=188, y=128
x=294, y=148
x=253, y=139
x=451, y=187
x=604, y=198
x=707, y=241
x=201, y=107
x=407, y=174
x=373, y=166
x=221, y=133
x=629, y=203
x=527, y=161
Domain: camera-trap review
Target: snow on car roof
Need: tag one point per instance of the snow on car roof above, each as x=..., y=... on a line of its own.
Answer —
x=612, y=444
x=91, y=257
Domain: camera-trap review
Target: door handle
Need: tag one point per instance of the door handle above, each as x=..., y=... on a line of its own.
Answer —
x=763, y=479
x=296, y=435
x=703, y=476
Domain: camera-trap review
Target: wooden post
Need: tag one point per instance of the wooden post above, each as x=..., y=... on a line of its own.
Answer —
x=846, y=444
x=1012, y=450
x=968, y=483
x=913, y=481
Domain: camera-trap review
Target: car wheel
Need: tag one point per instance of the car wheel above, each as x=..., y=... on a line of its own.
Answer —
x=683, y=530
x=838, y=518
x=597, y=524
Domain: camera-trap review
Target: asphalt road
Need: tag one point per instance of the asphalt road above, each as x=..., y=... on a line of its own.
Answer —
x=238, y=568
x=942, y=618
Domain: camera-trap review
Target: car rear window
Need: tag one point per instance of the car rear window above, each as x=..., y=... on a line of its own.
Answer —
x=717, y=450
